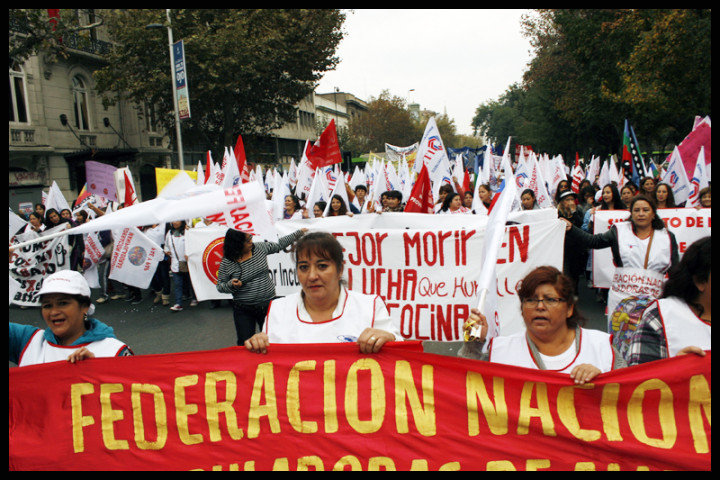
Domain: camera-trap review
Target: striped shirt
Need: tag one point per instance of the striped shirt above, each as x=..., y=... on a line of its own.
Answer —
x=254, y=273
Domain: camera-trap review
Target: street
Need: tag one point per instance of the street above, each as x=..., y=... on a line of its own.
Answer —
x=153, y=329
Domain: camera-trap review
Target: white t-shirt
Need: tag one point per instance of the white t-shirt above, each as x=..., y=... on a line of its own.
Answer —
x=288, y=321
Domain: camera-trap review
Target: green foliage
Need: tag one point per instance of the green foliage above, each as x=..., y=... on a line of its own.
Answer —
x=247, y=69
x=594, y=68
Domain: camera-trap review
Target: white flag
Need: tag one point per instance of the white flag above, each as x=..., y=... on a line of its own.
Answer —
x=699, y=180
x=676, y=177
x=56, y=199
x=339, y=189
x=431, y=152
x=135, y=258
x=487, y=283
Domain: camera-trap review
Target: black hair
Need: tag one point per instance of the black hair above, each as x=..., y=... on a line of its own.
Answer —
x=657, y=222
x=322, y=244
x=693, y=267
x=234, y=242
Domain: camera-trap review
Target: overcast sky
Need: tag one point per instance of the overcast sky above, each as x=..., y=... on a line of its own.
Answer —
x=453, y=59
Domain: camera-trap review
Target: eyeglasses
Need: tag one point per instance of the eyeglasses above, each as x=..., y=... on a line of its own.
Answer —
x=549, y=302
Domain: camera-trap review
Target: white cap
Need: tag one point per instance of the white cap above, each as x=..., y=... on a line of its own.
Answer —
x=65, y=281
x=69, y=282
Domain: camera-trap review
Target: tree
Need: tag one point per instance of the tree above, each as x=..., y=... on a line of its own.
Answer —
x=593, y=68
x=387, y=120
x=247, y=69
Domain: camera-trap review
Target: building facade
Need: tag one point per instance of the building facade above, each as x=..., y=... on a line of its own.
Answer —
x=57, y=123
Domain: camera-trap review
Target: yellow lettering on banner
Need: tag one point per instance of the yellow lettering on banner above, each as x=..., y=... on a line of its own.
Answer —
x=535, y=464
x=264, y=381
x=496, y=414
x=183, y=410
x=424, y=414
x=348, y=460
x=293, y=398
x=608, y=412
x=375, y=464
x=377, y=396
x=160, y=410
x=214, y=408
x=281, y=464
x=666, y=414
x=542, y=411
x=108, y=416
x=568, y=414
x=304, y=463
x=500, y=466
x=329, y=399
x=77, y=390
x=699, y=404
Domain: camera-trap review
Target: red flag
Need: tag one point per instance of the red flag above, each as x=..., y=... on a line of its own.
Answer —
x=421, y=200
x=326, y=151
x=241, y=160
x=130, y=196
x=208, y=165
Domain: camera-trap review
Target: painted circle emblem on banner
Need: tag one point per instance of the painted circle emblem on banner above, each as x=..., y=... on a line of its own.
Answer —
x=137, y=256
x=211, y=258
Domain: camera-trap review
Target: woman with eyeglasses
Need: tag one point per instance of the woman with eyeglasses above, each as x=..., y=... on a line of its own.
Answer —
x=553, y=339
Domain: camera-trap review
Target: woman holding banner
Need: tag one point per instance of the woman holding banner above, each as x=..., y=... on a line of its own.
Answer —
x=553, y=339
x=324, y=311
x=679, y=322
x=643, y=251
x=243, y=272
x=71, y=334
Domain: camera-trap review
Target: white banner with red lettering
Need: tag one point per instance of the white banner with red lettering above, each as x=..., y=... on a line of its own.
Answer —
x=687, y=224
x=425, y=267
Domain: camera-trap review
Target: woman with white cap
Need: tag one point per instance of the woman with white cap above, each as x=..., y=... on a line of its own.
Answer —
x=71, y=334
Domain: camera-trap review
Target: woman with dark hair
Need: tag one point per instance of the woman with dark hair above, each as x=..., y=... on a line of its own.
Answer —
x=453, y=204
x=553, y=339
x=528, y=201
x=610, y=199
x=664, y=197
x=324, y=311
x=35, y=224
x=647, y=186
x=243, y=273
x=53, y=218
x=338, y=207
x=292, y=208
x=642, y=248
x=72, y=332
x=679, y=321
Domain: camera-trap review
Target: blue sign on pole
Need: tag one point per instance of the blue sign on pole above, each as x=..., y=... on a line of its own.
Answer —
x=181, y=87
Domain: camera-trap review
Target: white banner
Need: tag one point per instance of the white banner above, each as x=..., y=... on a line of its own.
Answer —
x=30, y=264
x=425, y=267
x=205, y=248
x=688, y=225
x=135, y=258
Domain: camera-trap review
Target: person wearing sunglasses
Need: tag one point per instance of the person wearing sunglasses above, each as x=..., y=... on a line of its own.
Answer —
x=553, y=339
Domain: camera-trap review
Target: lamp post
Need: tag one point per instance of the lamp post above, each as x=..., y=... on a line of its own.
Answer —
x=178, y=134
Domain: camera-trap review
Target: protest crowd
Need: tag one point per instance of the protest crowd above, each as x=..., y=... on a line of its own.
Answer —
x=620, y=205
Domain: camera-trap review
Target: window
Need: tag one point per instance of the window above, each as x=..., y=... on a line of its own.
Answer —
x=80, y=103
x=18, y=111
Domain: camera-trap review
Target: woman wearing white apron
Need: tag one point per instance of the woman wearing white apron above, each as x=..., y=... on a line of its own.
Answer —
x=679, y=321
x=324, y=311
x=643, y=251
x=553, y=339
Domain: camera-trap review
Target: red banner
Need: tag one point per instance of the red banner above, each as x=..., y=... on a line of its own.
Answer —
x=328, y=407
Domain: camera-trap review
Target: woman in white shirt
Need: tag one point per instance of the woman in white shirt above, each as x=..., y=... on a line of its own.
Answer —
x=553, y=339
x=324, y=311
